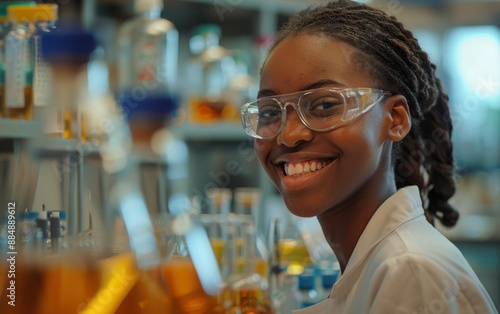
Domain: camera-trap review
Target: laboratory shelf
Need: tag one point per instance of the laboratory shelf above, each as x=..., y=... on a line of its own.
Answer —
x=18, y=129
x=212, y=132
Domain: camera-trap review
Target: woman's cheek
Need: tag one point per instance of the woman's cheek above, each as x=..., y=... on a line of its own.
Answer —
x=260, y=150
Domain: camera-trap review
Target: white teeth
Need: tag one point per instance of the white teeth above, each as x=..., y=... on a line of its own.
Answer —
x=299, y=168
x=305, y=167
x=313, y=166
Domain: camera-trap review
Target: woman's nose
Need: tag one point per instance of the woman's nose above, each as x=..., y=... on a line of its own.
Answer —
x=294, y=130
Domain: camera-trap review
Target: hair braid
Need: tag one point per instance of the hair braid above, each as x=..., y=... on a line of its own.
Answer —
x=424, y=157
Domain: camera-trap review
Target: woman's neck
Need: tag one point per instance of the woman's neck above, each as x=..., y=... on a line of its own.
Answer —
x=343, y=226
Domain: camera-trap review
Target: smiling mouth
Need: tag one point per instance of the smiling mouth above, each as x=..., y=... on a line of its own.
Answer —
x=297, y=169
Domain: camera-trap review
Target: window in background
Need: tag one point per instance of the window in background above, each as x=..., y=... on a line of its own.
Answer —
x=472, y=62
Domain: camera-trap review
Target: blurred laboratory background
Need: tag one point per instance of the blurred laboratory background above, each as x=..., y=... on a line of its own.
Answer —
x=231, y=38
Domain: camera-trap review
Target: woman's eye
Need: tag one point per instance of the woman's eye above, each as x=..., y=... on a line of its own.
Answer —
x=326, y=106
x=269, y=112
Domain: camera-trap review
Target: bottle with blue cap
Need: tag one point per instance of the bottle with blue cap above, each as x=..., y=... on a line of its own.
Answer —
x=308, y=294
x=68, y=52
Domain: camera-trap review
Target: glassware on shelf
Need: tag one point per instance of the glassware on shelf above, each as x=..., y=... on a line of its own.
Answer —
x=247, y=201
x=27, y=78
x=209, y=97
x=68, y=62
x=5, y=27
x=148, y=52
x=219, y=200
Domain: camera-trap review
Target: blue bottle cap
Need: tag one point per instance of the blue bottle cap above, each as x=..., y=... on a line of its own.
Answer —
x=68, y=45
x=306, y=282
x=329, y=278
x=154, y=105
x=29, y=215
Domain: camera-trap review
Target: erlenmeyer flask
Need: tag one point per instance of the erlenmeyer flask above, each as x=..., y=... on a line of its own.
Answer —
x=190, y=270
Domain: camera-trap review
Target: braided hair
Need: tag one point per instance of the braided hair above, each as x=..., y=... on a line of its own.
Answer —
x=393, y=56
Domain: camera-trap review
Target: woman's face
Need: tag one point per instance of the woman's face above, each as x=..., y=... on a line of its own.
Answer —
x=348, y=161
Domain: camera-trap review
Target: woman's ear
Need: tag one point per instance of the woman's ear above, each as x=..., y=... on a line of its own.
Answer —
x=399, y=112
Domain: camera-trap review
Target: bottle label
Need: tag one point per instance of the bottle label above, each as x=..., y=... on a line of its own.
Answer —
x=16, y=71
x=42, y=82
x=145, y=68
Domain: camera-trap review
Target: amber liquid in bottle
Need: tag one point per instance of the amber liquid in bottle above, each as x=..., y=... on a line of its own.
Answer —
x=185, y=288
x=147, y=296
x=25, y=112
x=51, y=285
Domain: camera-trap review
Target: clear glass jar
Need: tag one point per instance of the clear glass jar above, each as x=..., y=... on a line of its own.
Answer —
x=148, y=54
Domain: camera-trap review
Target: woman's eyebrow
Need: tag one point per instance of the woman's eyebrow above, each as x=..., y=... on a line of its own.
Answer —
x=322, y=83
x=265, y=93
x=317, y=84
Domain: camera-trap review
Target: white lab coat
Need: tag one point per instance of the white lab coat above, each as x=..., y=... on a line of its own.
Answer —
x=402, y=264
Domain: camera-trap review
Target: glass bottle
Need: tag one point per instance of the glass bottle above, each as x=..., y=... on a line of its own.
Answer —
x=23, y=66
x=68, y=63
x=307, y=293
x=5, y=27
x=294, y=254
x=148, y=53
x=246, y=291
x=28, y=229
x=210, y=71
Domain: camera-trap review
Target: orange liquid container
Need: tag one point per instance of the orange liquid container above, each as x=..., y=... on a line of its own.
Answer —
x=25, y=112
x=251, y=301
x=205, y=111
x=26, y=286
x=52, y=285
x=68, y=286
x=125, y=289
x=185, y=288
x=147, y=296
x=218, y=246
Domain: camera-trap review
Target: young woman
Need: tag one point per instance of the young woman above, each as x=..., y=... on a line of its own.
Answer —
x=353, y=127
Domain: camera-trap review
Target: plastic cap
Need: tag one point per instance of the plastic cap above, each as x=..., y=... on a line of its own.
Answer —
x=141, y=6
x=29, y=215
x=35, y=13
x=5, y=5
x=306, y=282
x=70, y=45
x=328, y=279
x=157, y=105
x=206, y=29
